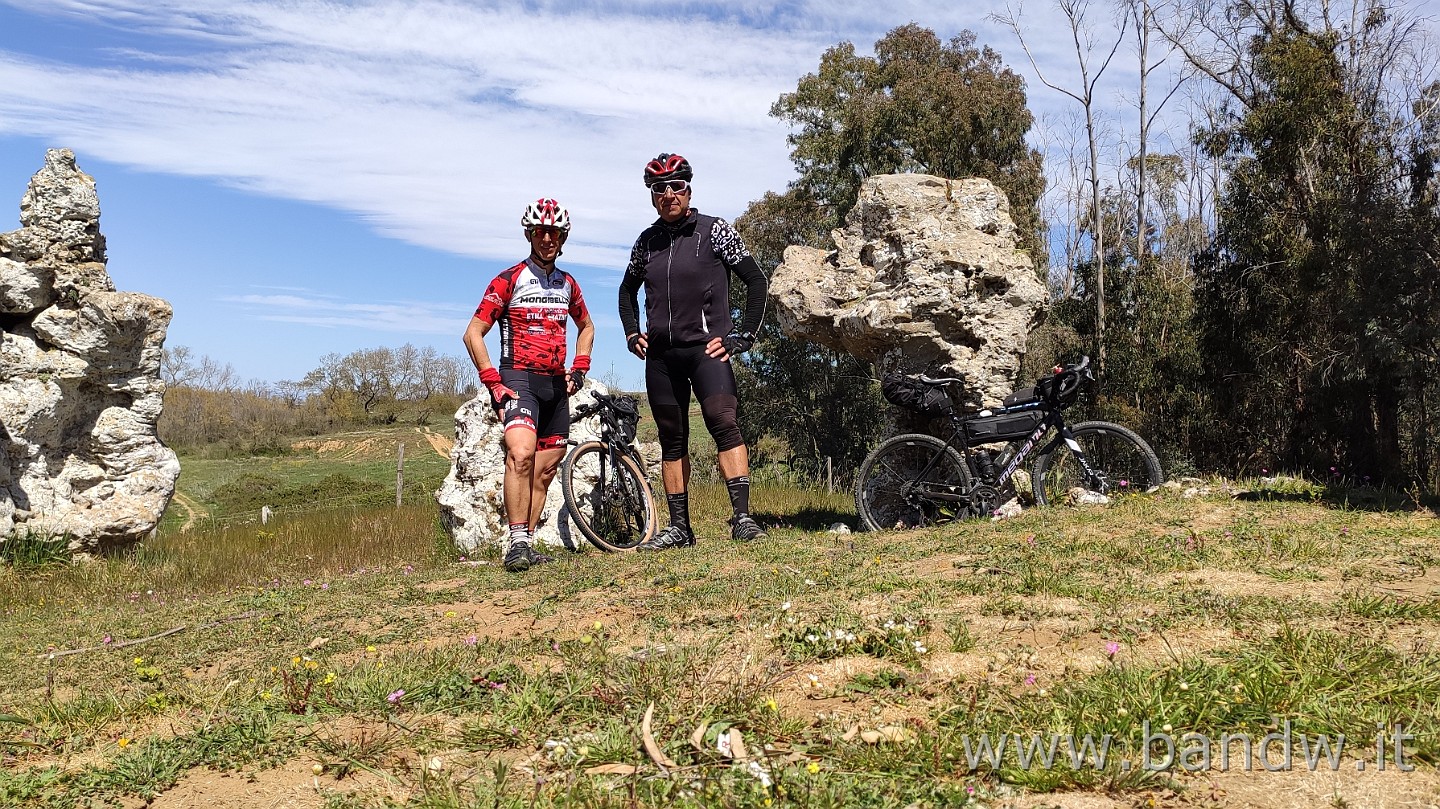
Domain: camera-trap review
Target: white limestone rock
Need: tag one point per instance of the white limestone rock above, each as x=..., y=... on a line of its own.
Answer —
x=80, y=389
x=925, y=276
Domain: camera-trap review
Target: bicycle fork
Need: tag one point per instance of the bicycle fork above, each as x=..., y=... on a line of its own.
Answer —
x=1095, y=479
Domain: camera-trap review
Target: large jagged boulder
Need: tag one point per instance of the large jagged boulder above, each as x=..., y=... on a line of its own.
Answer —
x=472, y=504
x=925, y=276
x=80, y=388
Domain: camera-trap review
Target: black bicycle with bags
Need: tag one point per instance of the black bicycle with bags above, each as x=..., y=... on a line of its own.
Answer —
x=915, y=480
x=604, y=481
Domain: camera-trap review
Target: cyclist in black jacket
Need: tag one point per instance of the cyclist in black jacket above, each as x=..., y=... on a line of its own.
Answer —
x=684, y=261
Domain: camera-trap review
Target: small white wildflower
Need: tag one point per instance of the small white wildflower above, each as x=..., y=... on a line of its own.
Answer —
x=785, y=607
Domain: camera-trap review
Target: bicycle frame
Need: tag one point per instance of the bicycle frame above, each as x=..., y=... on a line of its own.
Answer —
x=615, y=477
x=1053, y=421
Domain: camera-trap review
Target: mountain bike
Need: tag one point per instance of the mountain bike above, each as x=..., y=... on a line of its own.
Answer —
x=603, y=481
x=915, y=480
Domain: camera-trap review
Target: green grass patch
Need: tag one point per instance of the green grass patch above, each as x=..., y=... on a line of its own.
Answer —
x=855, y=668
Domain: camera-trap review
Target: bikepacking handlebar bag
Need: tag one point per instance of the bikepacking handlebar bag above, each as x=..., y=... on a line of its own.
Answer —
x=1004, y=427
x=1060, y=389
x=912, y=394
x=627, y=408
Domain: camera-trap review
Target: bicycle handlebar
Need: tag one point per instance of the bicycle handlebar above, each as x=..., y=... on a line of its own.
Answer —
x=603, y=402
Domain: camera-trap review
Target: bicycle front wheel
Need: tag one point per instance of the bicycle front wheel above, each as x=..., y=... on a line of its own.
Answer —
x=608, y=497
x=902, y=484
x=1105, y=459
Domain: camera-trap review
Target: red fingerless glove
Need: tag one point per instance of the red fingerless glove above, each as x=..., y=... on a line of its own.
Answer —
x=499, y=391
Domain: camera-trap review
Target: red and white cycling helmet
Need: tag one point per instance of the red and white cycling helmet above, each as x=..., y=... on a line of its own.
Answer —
x=667, y=167
x=545, y=212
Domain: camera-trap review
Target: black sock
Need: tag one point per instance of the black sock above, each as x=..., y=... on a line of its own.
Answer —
x=679, y=510
x=739, y=489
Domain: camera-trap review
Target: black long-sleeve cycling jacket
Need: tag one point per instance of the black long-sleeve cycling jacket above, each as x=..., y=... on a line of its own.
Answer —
x=685, y=267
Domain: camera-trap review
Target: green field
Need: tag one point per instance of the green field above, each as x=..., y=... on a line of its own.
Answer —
x=344, y=469
x=346, y=657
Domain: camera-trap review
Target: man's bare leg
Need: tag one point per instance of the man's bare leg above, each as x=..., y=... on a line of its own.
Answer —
x=547, y=463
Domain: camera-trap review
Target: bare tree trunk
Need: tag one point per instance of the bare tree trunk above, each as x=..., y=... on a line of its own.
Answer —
x=1081, y=36
x=1142, y=30
x=1097, y=228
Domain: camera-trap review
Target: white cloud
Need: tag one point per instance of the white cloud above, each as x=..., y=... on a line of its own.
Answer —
x=413, y=317
x=436, y=121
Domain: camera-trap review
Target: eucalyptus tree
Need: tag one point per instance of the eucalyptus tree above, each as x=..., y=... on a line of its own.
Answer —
x=1319, y=272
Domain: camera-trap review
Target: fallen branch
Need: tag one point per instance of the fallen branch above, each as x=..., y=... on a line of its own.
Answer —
x=167, y=633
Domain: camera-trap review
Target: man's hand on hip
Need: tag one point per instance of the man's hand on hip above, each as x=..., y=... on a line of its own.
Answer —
x=730, y=345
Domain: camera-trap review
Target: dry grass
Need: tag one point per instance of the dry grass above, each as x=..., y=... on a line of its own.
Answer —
x=1057, y=621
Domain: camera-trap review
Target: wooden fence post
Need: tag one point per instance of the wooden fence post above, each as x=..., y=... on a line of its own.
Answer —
x=399, y=472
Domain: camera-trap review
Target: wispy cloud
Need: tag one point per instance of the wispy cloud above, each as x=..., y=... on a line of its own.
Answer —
x=436, y=120
x=333, y=312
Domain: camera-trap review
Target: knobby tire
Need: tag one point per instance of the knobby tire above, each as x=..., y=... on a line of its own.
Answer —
x=1127, y=464
x=879, y=498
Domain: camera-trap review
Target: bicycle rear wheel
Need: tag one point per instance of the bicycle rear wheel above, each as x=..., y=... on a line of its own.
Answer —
x=894, y=487
x=1119, y=462
x=608, y=497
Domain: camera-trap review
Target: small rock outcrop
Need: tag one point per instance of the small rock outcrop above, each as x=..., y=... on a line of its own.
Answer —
x=80, y=388
x=926, y=277
x=472, y=504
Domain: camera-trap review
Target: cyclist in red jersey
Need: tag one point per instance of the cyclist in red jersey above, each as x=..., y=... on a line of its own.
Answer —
x=530, y=390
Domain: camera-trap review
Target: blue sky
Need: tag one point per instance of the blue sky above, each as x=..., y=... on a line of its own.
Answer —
x=300, y=177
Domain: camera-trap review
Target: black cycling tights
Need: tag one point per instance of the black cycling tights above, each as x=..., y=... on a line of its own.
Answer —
x=670, y=374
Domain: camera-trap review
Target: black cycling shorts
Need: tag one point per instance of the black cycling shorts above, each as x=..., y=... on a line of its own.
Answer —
x=543, y=406
x=672, y=372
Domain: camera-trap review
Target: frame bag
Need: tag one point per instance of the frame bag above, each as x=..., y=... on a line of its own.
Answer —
x=1004, y=427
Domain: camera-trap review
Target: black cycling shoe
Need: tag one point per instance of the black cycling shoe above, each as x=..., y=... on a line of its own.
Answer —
x=672, y=537
x=521, y=557
x=744, y=529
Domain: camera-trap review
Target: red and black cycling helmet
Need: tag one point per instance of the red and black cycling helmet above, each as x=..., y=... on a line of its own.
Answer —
x=667, y=167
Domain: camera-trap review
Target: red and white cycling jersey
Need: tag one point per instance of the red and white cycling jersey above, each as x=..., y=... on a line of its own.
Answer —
x=531, y=308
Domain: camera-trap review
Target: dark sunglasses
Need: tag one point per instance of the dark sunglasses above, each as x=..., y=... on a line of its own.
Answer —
x=677, y=186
